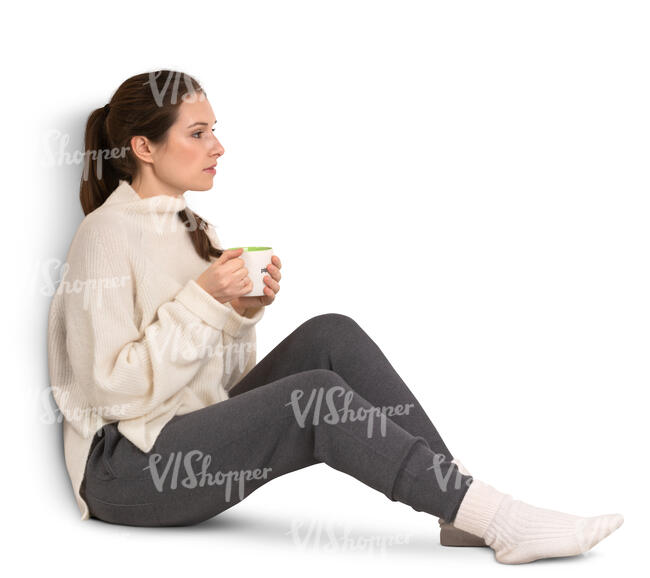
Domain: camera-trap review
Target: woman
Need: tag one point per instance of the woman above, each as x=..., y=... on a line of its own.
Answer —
x=169, y=420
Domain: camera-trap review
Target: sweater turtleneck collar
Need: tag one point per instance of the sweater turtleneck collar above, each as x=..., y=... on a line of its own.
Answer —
x=126, y=196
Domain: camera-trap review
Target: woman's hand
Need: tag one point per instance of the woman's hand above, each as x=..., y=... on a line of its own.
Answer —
x=226, y=278
x=240, y=304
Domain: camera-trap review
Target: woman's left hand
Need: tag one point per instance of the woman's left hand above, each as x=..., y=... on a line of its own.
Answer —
x=240, y=304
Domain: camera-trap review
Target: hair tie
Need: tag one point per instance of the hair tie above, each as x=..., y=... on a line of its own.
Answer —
x=106, y=109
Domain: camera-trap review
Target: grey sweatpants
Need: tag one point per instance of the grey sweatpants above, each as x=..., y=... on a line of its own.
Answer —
x=301, y=405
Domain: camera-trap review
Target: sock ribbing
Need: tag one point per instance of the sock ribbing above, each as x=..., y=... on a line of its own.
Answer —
x=478, y=508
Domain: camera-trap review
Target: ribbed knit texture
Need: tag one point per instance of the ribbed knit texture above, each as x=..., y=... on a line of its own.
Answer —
x=520, y=533
x=132, y=338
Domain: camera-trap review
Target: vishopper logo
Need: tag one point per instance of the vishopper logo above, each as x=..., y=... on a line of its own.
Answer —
x=318, y=535
x=171, y=471
x=91, y=287
x=443, y=479
x=125, y=534
x=169, y=221
x=588, y=531
x=198, y=340
x=55, y=153
x=55, y=406
x=318, y=395
x=240, y=352
x=172, y=82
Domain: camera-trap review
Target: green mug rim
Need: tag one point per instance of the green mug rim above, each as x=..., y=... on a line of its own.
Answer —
x=249, y=249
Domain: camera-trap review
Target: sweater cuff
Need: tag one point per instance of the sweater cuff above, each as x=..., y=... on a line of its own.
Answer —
x=213, y=312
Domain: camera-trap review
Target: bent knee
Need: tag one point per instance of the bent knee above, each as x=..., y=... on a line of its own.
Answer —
x=325, y=377
x=330, y=322
x=314, y=379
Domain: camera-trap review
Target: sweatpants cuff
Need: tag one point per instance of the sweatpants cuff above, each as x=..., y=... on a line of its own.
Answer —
x=405, y=459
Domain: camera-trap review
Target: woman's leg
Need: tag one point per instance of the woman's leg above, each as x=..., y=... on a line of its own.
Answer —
x=208, y=460
x=337, y=342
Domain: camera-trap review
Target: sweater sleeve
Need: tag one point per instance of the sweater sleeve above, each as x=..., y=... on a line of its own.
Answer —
x=120, y=367
x=241, y=358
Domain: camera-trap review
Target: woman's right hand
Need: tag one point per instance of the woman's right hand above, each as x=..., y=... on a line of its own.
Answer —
x=227, y=277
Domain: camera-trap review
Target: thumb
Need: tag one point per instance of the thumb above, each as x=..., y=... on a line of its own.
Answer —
x=229, y=254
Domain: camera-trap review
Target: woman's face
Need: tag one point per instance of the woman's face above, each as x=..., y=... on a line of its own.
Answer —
x=190, y=148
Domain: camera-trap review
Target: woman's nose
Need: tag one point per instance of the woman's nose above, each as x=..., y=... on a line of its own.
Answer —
x=218, y=149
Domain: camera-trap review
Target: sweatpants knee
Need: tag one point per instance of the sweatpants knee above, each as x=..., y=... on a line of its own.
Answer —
x=328, y=322
x=326, y=378
x=316, y=392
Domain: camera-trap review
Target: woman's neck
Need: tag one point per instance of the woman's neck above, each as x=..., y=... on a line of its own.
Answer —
x=150, y=187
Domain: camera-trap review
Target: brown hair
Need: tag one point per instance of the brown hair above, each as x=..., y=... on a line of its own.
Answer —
x=144, y=105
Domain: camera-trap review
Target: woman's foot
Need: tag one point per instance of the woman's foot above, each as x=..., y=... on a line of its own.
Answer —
x=520, y=533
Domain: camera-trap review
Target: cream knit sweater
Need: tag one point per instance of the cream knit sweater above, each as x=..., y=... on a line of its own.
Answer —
x=132, y=338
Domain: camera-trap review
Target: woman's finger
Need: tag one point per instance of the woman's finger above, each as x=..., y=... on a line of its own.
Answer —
x=272, y=283
x=274, y=272
x=270, y=295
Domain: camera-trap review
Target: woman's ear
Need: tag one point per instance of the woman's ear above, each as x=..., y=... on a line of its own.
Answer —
x=142, y=148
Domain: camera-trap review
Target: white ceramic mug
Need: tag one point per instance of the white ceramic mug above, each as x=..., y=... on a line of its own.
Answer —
x=255, y=260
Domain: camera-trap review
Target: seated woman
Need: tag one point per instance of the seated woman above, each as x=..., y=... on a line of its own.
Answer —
x=169, y=420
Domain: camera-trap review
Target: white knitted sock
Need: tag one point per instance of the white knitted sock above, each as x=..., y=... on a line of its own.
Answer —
x=519, y=532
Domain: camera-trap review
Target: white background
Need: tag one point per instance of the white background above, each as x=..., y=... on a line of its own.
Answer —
x=467, y=180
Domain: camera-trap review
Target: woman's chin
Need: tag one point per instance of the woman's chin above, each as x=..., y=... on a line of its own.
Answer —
x=203, y=184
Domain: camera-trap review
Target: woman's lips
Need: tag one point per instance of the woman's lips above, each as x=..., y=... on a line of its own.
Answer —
x=210, y=170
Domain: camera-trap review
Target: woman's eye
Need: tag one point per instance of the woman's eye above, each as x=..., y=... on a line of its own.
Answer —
x=200, y=132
